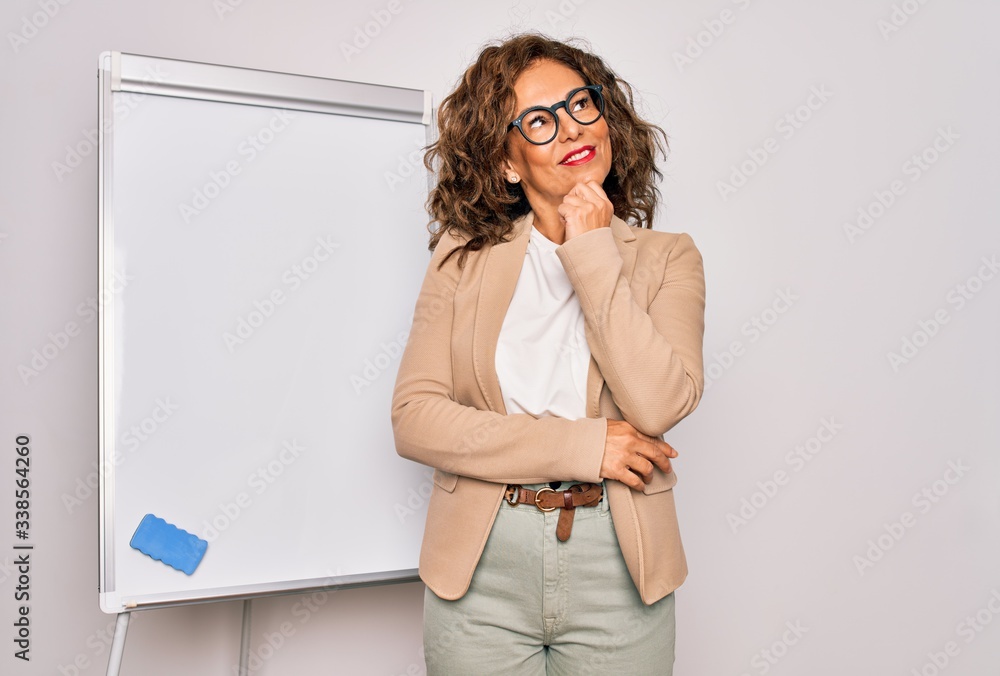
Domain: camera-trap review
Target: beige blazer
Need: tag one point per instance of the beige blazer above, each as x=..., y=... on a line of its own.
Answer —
x=643, y=297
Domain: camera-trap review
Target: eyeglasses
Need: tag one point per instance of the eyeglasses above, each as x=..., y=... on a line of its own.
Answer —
x=539, y=125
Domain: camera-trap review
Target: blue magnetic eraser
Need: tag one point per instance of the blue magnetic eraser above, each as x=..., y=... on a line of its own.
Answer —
x=167, y=543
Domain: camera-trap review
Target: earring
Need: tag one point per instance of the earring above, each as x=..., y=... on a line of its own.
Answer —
x=513, y=178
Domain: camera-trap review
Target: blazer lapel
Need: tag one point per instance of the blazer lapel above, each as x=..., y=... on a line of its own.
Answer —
x=500, y=273
x=496, y=288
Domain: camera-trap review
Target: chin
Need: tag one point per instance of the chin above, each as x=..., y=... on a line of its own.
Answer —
x=599, y=174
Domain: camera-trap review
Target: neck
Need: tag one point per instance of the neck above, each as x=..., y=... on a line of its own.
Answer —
x=550, y=223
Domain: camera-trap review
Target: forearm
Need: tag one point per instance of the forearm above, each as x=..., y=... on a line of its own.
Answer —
x=651, y=359
x=487, y=445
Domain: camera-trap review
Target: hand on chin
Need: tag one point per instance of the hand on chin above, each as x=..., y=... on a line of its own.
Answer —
x=586, y=207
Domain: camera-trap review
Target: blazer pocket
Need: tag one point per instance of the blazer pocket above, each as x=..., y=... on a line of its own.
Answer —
x=445, y=480
x=660, y=482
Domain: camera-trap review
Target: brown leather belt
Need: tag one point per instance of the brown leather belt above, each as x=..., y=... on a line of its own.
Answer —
x=548, y=499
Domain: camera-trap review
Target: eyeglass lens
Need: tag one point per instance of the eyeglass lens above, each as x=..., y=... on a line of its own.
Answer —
x=540, y=126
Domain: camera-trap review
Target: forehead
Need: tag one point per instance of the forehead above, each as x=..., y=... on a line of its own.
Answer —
x=544, y=83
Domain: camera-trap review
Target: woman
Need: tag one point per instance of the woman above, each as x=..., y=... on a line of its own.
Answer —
x=552, y=345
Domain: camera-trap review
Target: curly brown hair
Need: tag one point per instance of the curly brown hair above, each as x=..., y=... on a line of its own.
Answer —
x=473, y=198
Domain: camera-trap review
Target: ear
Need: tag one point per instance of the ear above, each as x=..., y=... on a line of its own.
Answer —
x=509, y=172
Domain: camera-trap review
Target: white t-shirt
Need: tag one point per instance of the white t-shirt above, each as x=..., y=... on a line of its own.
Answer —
x=542, y=355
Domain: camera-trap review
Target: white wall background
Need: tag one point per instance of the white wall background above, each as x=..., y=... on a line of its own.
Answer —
x=904, y=83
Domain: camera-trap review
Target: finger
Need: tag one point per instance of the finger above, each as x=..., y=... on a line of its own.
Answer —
x=596, y=195
x=657, y=444
x=668, y=449
x=582, y=189
x=586, y=193
x=575, y=201
x=631, y=480
x=586, y=202
x=658, y=453
x=593, y=190
x=597, y=188
x=583, y=196
x=662, y=451
x=643, y=467
x=567, y=211
x=575, y=211
x=644, y=478
x=663, y=462
x=630, y=468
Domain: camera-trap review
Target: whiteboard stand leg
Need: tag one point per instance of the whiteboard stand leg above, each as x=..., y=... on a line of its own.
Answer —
x=245, y=640
x=118, y=643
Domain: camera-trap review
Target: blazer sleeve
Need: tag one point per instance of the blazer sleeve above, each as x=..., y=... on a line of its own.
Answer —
x=431, y=427
x=651, y=360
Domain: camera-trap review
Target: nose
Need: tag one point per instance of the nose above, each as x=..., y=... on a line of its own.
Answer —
x=569, y=128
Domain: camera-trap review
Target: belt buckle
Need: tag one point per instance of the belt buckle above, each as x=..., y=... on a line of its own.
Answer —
x=538, y=494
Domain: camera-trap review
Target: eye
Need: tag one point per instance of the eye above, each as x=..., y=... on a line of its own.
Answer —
x=537, y=120
x=581, y=102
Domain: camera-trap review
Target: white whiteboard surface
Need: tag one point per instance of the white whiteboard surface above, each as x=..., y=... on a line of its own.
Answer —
x=260, y=263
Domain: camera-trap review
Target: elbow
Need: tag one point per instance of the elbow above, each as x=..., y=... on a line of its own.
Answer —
x=413, y=430
x=659, y=418
x=401, y=424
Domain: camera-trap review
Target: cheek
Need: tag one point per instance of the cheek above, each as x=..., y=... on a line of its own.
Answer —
x=604, y=138
x=537, y=159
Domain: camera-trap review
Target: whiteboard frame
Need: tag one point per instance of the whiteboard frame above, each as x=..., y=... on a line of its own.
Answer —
x=124, y=72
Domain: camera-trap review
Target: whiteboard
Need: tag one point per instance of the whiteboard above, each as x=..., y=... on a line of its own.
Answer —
x=262, y=242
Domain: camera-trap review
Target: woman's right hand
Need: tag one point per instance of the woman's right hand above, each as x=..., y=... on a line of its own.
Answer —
x=629, y=455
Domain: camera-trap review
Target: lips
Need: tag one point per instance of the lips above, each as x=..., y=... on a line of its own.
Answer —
x=578, y=156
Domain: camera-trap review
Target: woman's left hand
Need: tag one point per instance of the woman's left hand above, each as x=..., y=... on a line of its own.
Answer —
x=586, y=207
x=630, y=456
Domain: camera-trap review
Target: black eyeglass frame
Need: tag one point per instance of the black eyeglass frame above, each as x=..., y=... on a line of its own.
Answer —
x=554, y=109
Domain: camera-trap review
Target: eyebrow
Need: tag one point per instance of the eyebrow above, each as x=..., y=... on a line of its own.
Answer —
x=538, y=105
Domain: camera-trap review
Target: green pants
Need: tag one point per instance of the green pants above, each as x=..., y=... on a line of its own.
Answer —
x=539, y=606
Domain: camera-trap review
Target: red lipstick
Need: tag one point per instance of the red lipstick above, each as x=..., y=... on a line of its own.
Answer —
x=585, y=154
